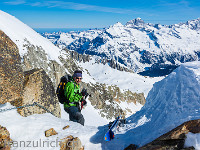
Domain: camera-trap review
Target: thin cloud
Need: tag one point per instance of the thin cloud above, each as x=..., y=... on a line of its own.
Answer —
x=86, y=7
x=36, y=4
x=182, y=4
x=17, y=2
x=72, y=5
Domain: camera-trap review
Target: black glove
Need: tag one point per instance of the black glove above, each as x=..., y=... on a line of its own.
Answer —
x=84, y=92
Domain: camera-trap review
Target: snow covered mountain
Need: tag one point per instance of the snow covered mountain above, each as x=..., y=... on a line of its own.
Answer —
x=35, y=51
x=171, y=102
x=38, y=52
x=136, y=45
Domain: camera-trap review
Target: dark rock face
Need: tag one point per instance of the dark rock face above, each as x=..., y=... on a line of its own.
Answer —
x=38, y=88
x=11, y=73
x=131, y=147
x=175, y=139
x=22, y=88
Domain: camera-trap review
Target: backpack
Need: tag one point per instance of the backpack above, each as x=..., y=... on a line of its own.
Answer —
x=60, y=89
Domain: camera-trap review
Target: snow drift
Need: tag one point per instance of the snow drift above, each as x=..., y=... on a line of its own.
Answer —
x=171, y=102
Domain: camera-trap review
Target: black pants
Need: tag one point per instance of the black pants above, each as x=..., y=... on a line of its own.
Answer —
x=75, y=114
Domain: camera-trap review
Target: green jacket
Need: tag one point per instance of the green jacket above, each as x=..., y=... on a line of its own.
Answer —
x=72, y=93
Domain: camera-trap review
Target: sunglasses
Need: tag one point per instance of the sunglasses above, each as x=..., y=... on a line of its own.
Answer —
x=79, y=78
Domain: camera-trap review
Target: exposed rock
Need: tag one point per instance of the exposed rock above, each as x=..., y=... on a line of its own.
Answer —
x=68, y=62
x=5, y=148
x=179, y=132
x=86, y=58
x=108, y=98
x=38, y=88
x=5, y=139
x=66, y=127
x=79, y=57
x=21, y=88
x=37, y=58
x=131, y=147
x=71, y=143
x=50, y=132
x=11, y=73
x=174, y=139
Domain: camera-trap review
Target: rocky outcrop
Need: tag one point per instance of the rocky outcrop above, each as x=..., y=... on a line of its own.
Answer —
x=86, y=58
x=101, y=92
x=50, y=132
x=5, y=139
x=126, y=95
x=79, y=57
x=37, y=58
x=11, y=73
x=66, y=127
x=69, y=62
x=107, y=99
x=22, y=88
x=38, y=88
x=71, y=143
x=174, y=139
x=22, y=83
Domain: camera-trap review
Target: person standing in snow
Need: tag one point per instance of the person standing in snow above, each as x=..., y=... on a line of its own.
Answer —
x=74, y=96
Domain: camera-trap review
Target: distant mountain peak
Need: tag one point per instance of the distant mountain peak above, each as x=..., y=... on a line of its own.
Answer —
x=194, y=24
x=138, y=45
x=118, y=24
x=135, y=22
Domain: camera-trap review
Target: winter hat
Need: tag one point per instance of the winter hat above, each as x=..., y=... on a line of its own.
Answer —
x=77, y=73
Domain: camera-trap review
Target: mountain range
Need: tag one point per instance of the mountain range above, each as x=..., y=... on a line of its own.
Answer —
x=31, y=67
x=137, y=45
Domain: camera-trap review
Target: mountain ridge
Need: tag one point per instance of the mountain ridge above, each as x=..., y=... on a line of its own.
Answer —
x=36, y=52
x=136, y=45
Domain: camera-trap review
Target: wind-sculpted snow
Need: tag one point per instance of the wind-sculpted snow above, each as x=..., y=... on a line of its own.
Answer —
x=130, y=44
x=171, y=102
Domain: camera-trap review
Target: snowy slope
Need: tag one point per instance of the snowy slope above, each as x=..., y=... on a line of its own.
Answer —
x=32, y=129
x=137, y=44
x=171, y=102
x=91, y=115
x=21, y=34
x=124, y=80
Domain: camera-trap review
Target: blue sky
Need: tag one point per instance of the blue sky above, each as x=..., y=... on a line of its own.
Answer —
x=99, y=13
